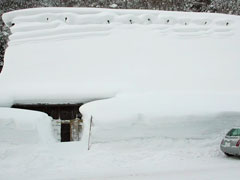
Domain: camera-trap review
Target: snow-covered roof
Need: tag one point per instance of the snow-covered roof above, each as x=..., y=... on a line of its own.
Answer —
x=68, y=55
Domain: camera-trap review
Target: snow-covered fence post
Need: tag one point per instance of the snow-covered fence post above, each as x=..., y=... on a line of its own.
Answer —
x=89, y=136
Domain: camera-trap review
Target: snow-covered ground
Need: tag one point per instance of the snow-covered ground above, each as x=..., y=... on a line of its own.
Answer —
x=139, y=159
x=182, y=149
x=169, y=81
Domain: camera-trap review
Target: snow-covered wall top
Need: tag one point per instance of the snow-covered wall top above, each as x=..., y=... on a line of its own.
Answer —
x=66, y=55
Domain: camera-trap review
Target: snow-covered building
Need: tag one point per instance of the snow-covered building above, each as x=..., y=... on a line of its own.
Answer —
x=123, y=62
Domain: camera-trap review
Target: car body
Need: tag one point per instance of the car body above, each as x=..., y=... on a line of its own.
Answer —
x=230, y=145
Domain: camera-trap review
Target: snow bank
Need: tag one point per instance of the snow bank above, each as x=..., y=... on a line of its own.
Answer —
x=69, y=55
x=159, y=115
x=24, y=127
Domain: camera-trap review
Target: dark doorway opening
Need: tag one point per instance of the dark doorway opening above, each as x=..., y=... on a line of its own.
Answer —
x=65, y=132
x=68, y=114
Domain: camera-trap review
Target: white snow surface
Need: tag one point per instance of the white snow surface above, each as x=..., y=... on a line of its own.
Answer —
x=186, y=149
x=143, y=115
x=20, y=127
x=68, y=55
x=166, y=83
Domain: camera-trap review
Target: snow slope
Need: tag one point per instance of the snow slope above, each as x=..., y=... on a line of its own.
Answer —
x=67, y=55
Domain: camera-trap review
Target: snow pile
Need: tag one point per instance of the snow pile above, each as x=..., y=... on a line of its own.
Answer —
x=154, y=115
x=69, y=55
x=20, y=127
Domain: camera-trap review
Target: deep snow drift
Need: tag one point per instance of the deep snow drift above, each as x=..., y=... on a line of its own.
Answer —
x=20, y=127
x=132, y=116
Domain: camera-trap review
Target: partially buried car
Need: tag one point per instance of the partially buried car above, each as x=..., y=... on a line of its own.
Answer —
x=230, y=145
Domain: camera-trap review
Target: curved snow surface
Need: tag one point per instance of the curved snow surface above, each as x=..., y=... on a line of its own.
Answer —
x=21, y=127
x=61, y=23
x=67, y=55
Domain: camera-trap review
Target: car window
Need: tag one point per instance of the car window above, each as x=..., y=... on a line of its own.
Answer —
x=234, y=132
